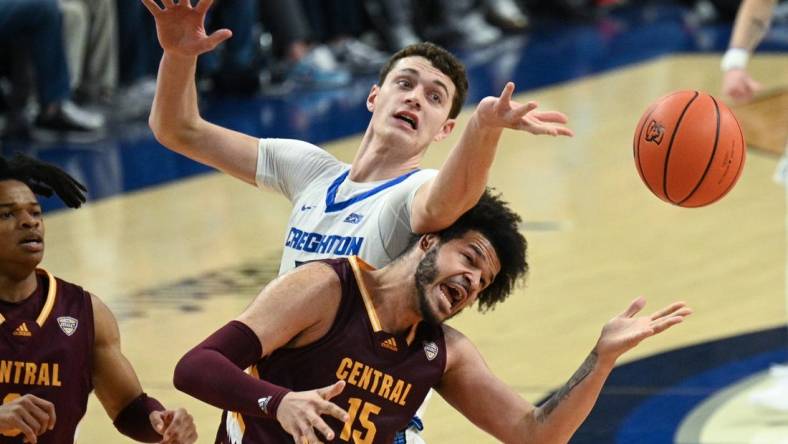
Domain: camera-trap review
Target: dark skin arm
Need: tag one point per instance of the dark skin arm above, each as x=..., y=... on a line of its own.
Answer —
x=294, y=310
x=557, y=419
x=116, y=383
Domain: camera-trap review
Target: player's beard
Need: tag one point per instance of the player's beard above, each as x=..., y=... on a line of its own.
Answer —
x=425, y=275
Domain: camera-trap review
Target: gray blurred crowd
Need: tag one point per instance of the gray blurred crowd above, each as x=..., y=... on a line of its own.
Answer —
x=67, y=67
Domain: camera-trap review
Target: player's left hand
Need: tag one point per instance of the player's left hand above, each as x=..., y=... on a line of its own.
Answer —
x=625, y=331
x=176, y=426
x=502, y=112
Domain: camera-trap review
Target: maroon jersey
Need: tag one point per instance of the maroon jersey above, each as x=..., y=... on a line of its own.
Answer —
x=387, y=376
x=46, y=347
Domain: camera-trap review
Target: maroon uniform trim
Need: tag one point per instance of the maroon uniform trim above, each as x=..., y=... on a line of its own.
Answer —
x=50, y=300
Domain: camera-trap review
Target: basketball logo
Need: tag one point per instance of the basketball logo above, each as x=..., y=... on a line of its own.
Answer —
x=655, y=132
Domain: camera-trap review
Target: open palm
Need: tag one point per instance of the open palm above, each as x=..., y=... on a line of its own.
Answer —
x=625, y=331
x=181, y=27
x=502, y=112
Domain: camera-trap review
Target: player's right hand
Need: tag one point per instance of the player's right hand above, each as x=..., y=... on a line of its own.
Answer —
x=28, y=414
x=300, y=413
x=181, y=27
x=175, y=426
x=739, y=86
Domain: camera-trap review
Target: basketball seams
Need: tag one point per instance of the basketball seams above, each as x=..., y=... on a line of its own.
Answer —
x=741, y=163
x=711, y=157
x=637, y=150
x=670, y=147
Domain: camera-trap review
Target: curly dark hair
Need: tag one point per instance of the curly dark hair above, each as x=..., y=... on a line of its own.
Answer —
x=493, y=218
x=43, y=179
x=441, y=59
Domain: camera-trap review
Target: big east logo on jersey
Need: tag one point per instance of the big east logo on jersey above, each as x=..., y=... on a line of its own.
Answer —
x=354, y=218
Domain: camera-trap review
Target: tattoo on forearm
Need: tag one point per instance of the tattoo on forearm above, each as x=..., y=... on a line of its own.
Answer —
x=547, y=408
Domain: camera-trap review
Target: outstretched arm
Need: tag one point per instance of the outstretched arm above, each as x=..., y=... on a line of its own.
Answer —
x=752, y=22
x=558, y=418
x=175, y=118
x=463, y=176
x=117, y=387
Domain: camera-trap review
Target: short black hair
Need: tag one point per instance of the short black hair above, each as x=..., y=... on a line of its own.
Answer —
x=441, y=59
x=43, y=179
x=493, y=218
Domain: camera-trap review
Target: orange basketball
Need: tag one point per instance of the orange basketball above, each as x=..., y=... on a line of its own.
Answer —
x=689, y=148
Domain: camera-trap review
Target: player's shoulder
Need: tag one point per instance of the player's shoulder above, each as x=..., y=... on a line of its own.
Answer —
x=426, y=173
x=308, y=157
x=62, y=284
x=66, y=292
x=460, y=350
x=421, y=176
x=317, y=277
x=300, y=147
x=318, y=270
x=452, y=335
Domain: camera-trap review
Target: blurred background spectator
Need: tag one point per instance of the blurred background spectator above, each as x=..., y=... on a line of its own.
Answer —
x=33, y=51
x=233, y=68
x=90, y=34
x=84, y=59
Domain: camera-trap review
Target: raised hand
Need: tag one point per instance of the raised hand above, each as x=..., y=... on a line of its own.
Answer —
x=181, y=27
x=739, y=86
x=175, y=426
x=28, y=415
x=625, y=331
x=300, y=413
x=502, y=112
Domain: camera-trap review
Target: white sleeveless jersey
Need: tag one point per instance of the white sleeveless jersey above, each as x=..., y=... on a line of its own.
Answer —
x=333, y=216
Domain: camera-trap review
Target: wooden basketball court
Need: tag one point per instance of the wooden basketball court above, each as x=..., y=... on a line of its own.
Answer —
x=178, y=261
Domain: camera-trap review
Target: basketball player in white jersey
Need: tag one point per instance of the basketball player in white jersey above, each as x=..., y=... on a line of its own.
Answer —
x=370, y=207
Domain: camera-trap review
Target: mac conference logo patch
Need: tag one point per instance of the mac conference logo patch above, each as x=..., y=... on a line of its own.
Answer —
x=431, y=350
x=67, y=324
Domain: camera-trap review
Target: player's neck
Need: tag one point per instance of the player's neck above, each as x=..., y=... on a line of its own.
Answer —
x=391, y=288
x=377, y=160
x=16, y=287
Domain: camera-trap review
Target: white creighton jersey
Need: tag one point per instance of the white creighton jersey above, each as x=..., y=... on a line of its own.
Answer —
x=333, y=216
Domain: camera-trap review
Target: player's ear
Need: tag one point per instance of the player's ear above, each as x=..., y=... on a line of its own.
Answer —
x=373, y=94
x=445, y=130
x=428, y=241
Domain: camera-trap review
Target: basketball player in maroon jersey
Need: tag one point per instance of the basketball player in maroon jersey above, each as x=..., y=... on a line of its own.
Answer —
x=338, y=350
x=57, y=341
